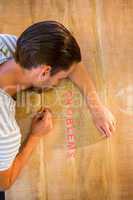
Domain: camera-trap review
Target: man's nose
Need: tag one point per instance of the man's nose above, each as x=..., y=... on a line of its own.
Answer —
x=56, y=83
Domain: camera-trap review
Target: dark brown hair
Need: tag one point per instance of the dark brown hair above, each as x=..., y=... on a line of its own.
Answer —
x=47, y=42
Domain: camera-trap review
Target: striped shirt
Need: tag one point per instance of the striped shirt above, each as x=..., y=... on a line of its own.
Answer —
x=10, y=136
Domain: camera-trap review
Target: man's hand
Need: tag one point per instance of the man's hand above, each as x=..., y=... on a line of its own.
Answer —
x=42, y=123
x=104, y=120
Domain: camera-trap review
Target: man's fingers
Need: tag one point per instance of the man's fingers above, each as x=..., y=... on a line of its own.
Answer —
x=114, y=121
x=101, y=130
x=42, y=113
x=44, y=109
x=112, y=127
x=47, y=115
x=37, y=116
x=49, y=110
x=106, y=130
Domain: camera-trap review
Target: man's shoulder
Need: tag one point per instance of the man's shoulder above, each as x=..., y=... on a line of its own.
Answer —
x=9, y=40
x=8, y=36
x=7, y=46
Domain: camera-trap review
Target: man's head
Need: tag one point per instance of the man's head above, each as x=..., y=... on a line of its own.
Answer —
x=48, y=51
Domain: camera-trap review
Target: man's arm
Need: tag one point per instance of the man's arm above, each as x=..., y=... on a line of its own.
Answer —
x=7, y=177
x=41, y=125
x=102, y=117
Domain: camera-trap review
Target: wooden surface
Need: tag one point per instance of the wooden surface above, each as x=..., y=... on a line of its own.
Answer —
x=97, y=168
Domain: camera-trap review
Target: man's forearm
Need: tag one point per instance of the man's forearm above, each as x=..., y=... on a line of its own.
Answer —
x=8, y=177
x=81, y=77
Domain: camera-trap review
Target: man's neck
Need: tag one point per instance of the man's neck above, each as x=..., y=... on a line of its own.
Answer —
x=12, y=77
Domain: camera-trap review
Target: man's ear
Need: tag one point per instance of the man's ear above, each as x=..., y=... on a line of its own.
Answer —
x=45, y=71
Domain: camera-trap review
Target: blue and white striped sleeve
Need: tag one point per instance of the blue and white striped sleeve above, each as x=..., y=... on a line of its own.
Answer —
x=10, y=136
x=7, y=46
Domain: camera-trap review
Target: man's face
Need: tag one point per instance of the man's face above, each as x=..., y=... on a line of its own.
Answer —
x=42, y=79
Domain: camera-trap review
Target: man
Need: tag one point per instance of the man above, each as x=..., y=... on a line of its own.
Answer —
x=45, y=53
